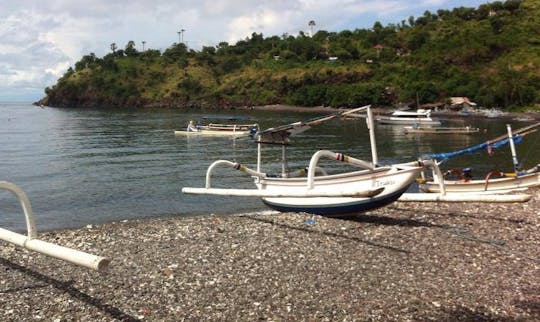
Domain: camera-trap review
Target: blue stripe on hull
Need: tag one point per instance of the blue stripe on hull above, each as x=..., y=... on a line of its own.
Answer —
x=340, y=210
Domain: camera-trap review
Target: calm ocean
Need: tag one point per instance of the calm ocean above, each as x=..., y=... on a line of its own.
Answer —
x=89, y=166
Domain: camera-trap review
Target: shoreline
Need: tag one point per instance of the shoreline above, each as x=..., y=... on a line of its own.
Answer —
x=406, y=261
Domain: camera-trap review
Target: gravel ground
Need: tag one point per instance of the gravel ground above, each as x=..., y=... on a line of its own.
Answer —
x=407, y=261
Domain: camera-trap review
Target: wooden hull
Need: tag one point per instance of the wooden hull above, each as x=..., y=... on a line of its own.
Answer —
x=496, y=185
x=394, y=180
x=441, y=130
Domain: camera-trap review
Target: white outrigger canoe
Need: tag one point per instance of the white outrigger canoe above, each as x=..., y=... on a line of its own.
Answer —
x=333, y=195
x=440, y=130
x=495, y=181
x=220, y=129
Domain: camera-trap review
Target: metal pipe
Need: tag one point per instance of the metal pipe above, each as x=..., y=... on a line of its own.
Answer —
x=25, y=205
x=73, y=256
x=464, y=197
x=373, y=142
x=259, y=147
x=284, y=166
x=332, y=155
x=437, y=172
x=279, y=194
x=234, y=165
x=512, y=148
x=32, y=243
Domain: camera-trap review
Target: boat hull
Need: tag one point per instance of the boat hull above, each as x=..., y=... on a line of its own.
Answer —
x=214, y=133
x=394, y=181
x=406, y=121
x=493, y=185
x=441, y=130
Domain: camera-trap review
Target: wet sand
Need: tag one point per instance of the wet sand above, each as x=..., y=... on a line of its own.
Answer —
x=406, y=261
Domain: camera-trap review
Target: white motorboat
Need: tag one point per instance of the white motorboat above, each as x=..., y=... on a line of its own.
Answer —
x=418, y=117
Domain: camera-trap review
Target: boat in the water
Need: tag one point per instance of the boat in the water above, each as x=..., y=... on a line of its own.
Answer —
x=224, y=128
x=418, y=117
x=314, y=190
x=495, y=181
x=440, y=130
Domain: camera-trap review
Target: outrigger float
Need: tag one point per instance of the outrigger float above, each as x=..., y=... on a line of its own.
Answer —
x=31, y=242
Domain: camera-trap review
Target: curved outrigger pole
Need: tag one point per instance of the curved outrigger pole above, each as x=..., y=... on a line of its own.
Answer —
x=31, y=242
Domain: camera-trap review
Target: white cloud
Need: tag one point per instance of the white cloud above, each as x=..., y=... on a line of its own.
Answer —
x=41, y=39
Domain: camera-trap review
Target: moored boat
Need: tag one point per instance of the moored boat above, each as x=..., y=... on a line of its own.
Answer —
x=495, y=181
x=418, y=117
x=234, y=130
x=326, y=194
x=441, y=130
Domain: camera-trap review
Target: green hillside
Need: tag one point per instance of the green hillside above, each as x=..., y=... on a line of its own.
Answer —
x=490, y=54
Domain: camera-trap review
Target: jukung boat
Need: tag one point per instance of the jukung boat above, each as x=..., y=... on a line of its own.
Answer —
x=495, y=181
x=418, y=117
x=316, y=191
x=235, y=130
x=440, y=130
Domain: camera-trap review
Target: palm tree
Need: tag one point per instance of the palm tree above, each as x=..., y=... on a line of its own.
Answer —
x=113, y=47
x=311, y=24
x=143, y=42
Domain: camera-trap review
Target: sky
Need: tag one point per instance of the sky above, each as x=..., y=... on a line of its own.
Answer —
x=41, y=39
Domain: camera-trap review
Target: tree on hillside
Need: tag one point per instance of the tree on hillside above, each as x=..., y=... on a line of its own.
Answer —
x=311, y=24
x=130, y=49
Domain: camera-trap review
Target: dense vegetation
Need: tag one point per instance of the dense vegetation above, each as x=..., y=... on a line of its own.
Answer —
x=490, y=54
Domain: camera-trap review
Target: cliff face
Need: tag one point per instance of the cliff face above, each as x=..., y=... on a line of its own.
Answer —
x=489, y=54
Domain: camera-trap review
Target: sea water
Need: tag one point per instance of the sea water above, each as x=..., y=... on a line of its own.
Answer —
x=83, y=166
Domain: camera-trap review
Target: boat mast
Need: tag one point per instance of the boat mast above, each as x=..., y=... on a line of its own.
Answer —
x=371, y=128
x=512, y=148
x=259, y=153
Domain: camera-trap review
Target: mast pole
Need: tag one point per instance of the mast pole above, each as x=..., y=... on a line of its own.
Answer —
x=512, y=148
x=259, y=153
x=371, y=128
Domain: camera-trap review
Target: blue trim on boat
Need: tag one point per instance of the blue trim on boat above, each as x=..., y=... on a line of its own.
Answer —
x=340, y=210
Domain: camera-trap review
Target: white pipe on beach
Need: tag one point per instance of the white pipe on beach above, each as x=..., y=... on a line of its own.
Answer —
x=71, y=255
x=464, y=197
x=32, y=243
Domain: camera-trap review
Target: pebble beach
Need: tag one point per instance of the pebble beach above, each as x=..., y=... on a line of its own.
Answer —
x=408, y=261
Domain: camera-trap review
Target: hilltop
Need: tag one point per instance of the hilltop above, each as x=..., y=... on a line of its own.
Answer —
x=489, y=54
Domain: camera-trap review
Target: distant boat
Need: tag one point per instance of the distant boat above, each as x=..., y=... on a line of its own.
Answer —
x=440, y=130
x=220, y=129
x=524, y=119
x=418, y=117
x=494, y=113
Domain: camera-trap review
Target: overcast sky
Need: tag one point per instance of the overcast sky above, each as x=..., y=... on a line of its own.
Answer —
x=41, y=39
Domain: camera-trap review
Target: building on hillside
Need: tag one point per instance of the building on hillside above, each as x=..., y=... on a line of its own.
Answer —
x=461, y=103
